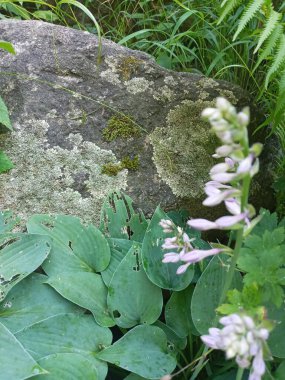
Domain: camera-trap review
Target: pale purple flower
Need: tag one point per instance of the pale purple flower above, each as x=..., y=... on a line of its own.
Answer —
x=241, y=339
x=167, y=225
x=223, y=151
x=199, y=254
x=170, y=243
x=219, y=197
x=223, y=223
x=233, y=206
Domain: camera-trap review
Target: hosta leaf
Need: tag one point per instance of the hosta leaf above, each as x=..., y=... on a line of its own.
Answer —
x=86, y=290
x=208, y=291
x=67, y=333
x=172, y=337
x=69, y=366
x=143, y=350
x=178, y=313
x=20, y=255
x=133, y=298
x=15, y=362
x=119, y=249
x=119, y=220
x=7, y=221
x=32, y=301
x=279, y=374
x=163, y=275
x=84, y=247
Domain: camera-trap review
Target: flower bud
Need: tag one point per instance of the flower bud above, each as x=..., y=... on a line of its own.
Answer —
x=243, y=119
x=222, y=104
x=256, y=149
x=208, y=112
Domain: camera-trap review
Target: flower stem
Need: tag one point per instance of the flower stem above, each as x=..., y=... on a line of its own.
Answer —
x=239, y=373
x=231, y=271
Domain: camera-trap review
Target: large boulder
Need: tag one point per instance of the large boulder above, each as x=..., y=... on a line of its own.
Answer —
x=82, y=118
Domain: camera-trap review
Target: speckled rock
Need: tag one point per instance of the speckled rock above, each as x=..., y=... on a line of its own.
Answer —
x=66, y=103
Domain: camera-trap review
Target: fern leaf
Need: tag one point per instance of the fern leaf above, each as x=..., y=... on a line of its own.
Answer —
x=248, y=14
x=279, y=58
x=230, y=6
x=269, y=27
x=270, y=45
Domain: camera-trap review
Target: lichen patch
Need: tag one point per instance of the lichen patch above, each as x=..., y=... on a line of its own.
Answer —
x=44, y=178
x=183, y=149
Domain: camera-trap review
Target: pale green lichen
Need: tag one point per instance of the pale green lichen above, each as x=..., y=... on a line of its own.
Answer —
x=44, y=178
x=138, y=85
x=183, y=149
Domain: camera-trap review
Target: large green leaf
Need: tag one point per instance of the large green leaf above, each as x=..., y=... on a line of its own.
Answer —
x=208, y=291
x=86, y=290
x=279, y=374
x=20, y=255
x=119, y=249
x=4, y=115
x=75, y=247
x=7, y=221
x=5, y=162
x=143, y=350
x=132, y=297
x=70, y=366
x=32, y=301
x=172, y=338
x=276, y=344
x=163, y=275
x=67, y=333
x=178, y=313
x=119, y=220
x=15, y=362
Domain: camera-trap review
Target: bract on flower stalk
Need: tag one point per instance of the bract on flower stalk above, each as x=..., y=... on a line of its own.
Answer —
x=241, y=339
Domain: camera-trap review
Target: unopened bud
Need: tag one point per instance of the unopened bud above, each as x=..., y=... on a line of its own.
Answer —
x=208, y=112
x=243, y=119
x=166, y=377
x=256, y=149
x=223, y=104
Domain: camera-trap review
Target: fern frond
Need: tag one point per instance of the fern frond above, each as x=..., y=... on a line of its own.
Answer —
x=230, y=6
x=270, y=45
x=279, y=58
x=271, y=23
x=248, y=14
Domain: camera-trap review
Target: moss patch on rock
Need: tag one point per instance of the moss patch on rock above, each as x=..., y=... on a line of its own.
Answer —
x=120, y=126
x=112, y=169
x=128, y=66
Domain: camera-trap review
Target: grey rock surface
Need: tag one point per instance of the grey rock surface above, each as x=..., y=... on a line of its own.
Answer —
x=63, y=100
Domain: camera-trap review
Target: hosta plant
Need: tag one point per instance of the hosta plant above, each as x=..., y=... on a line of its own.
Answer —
x=132, y=298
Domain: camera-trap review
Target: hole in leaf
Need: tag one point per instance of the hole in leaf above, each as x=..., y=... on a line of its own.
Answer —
x=116, y=314
x=8, y=240
x=48, y=223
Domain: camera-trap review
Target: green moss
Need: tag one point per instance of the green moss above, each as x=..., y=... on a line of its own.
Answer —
x=130, y=164
x=112, y=169
x=129, y=66
x=120, y=126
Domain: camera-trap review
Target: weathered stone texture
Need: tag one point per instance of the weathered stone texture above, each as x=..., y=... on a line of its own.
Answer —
x=62, y=96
